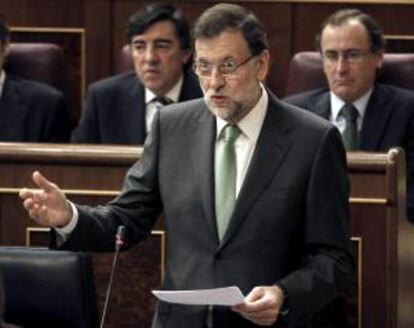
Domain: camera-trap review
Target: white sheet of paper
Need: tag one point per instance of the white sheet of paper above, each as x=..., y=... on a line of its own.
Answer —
x=217, y=296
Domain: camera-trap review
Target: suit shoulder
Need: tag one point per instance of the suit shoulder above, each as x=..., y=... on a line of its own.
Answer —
x=116, y=82
x=305, y=118
x=303, y=98
x=183, y=112
x=34, y=90
x=185, y=108
x=397, y=92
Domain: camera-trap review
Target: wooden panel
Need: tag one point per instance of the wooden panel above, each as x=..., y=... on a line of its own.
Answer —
x=378, y=219
x=89, y=175
x=99, y=25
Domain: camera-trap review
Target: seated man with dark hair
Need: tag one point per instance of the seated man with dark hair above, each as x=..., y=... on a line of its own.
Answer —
x=120, y=109
x=369, y=115
x=30, y=111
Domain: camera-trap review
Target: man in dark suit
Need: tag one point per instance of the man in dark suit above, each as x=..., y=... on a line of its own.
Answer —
x=120, y=109
x=30, y=111
x=254, y=193
x=352, y=46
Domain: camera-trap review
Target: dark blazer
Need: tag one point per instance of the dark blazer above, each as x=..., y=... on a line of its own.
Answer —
x=388, y=122
x=32, y=112
x=289, y=226
x=115, y=110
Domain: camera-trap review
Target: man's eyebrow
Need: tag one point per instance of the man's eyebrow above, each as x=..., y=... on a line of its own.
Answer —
x=222, y=60
x=345, y=50
x=158, y=40
x=138, y=41
x=161, y=40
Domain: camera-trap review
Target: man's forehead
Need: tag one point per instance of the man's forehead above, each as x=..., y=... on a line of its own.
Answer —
x=350, y=35
x=226, y=44
x=163, y=30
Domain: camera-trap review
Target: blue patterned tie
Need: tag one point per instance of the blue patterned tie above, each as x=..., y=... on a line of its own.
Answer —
x=225, y=177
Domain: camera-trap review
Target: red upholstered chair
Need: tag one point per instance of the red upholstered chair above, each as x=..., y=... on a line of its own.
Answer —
x=305, y=72
x=125, y=62
x=42, y=62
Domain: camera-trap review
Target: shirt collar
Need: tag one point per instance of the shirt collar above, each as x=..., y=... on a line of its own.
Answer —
x=251, y=124
x=173, y=94
x=2, y=80
x=360, y=104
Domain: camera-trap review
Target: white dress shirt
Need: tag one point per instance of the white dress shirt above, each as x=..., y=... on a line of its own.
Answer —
x=152, y=106
x=245, y=144
x=336, y=105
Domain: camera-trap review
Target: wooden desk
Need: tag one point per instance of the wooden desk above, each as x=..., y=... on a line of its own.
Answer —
x=382, y=238
x=89, y=175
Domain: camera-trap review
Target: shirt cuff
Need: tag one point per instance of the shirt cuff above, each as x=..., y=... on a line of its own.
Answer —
x=64, y=232
x=284, y=311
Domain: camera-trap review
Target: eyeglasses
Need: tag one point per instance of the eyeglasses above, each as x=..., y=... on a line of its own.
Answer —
x=227, y=68
x=351, y=56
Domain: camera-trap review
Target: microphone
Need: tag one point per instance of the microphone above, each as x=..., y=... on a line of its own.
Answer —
x=119, y=242
x=120, y=238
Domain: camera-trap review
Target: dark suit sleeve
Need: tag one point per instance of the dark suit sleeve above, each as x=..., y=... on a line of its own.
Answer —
x=58, y=121
x=87, y=130
x=328, y=266
x=137, y=207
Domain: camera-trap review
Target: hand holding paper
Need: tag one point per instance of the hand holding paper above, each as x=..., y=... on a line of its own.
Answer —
x=229, y=296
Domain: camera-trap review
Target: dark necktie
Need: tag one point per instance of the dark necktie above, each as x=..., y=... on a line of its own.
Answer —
x=225, y=177
x=350, y=134
x=164, y=101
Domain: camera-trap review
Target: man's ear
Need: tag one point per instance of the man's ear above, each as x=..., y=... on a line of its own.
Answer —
x=186, y=55
x=263, y=60
x=6, y=48
x=380, y=58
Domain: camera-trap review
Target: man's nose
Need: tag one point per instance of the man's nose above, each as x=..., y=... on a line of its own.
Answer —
x=151, y=54
x=342, y=65
x=217, y=79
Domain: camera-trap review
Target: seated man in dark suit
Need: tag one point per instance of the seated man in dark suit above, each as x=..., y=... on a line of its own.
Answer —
x=30, y=111
x=370, y=116
x=120, y=109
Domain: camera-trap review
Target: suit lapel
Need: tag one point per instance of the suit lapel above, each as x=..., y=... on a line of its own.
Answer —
x=322, y=106
x=376, y=119
x=204, y=136
x=133, y=111
x=271, y=149
x=13, y=107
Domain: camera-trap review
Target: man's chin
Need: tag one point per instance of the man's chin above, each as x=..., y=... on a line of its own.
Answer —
x=345, y=94
x=155, y=87
x=222, y=112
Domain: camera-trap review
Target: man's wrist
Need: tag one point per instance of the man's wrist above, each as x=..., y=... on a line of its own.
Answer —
x=284, y=309
x=69, y=226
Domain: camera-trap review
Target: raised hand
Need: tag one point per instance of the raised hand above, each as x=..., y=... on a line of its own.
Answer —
x=47, y=205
